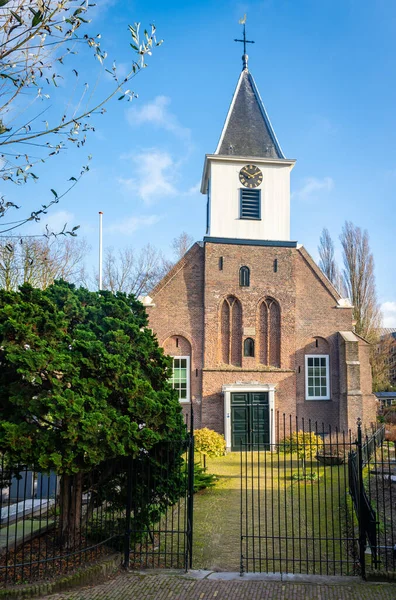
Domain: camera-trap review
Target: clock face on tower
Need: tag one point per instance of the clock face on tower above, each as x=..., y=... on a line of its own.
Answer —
x=250, y=176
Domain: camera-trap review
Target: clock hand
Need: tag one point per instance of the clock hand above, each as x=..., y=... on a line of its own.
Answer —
x=248, y=174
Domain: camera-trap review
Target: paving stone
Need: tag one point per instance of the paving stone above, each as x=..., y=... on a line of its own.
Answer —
x=173, y=587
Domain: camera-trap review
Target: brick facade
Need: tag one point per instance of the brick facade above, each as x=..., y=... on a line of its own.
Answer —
x=200, y=310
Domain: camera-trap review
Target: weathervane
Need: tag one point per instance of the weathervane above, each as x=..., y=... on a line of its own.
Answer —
x=244, y=42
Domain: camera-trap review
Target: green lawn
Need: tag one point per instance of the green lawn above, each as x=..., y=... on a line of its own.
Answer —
x=288, y=525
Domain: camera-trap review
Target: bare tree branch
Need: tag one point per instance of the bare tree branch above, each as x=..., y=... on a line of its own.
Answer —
x=131, y=273
x=41, y=261
x=328, y=262
x=181, y=244
x=381, y=357
x=359, y=280
x=39, y=40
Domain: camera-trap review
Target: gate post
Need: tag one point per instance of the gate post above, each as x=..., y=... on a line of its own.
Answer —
x=128, y=511
x=190, y=493
x=362, y=532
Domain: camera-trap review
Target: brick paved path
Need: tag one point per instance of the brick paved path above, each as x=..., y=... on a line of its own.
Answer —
x=171, y=587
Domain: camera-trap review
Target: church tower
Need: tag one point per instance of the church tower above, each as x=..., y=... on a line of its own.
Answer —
x=247, y=179
x=255, y=329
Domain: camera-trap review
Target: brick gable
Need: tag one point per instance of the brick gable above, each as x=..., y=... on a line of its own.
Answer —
x=191, y=308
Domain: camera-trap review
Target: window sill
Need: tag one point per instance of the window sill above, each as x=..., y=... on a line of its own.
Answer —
x=318, y=400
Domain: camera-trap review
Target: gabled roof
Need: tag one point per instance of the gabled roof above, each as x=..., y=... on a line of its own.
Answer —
x=322, y=277
x=247, y=129
x=175, y=269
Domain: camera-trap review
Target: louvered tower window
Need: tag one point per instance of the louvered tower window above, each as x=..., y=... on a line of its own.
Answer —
x=250, y=204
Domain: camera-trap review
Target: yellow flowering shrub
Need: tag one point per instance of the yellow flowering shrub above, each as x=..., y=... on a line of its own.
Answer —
x=209, y=442
x=303, y=443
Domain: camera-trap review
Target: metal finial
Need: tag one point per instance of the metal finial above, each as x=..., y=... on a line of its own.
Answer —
x=244, y=41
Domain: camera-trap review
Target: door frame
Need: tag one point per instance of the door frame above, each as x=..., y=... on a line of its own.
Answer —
x=246, y=387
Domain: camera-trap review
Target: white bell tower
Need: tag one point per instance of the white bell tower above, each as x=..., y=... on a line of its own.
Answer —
x=247, y=179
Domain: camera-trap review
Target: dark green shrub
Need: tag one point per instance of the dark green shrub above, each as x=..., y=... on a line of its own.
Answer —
x=202, y=479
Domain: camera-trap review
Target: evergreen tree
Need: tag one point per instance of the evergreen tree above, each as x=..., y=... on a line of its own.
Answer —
x=82, y=381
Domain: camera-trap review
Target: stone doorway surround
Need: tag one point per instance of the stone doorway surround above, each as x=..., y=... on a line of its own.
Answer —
x=228, y=389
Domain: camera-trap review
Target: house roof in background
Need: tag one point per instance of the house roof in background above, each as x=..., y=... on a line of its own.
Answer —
x=383, y=331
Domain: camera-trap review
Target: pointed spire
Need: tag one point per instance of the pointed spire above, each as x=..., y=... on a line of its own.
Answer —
x=247, y=130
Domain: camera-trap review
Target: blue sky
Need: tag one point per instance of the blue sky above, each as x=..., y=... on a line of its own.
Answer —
x=326, y=71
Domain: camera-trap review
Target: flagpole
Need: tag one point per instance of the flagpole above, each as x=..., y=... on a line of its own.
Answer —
x=100, y=248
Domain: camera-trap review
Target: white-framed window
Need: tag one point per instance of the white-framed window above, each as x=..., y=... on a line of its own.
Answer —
x=180, y=379
x=317, y=377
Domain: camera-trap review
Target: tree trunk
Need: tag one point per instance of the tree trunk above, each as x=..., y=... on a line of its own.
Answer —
x=70, y=510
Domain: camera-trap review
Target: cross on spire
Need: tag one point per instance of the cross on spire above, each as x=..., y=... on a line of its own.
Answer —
x=244, y=42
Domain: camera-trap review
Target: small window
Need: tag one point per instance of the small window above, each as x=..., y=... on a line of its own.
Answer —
x=180, y=379
x=248, y=347
x=250, y=204
x=220, y=263
x=244, y=277
x=317, y=377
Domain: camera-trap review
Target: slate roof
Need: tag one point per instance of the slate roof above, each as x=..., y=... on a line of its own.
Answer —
x=247, y=130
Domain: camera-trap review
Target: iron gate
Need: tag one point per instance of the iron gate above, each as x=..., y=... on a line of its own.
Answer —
x=159, y=508
x=296, y=511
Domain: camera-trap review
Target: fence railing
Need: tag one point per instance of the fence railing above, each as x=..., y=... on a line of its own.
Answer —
x=371, y=442
x=379, y=487
x=296, y=514
x=140, y=506
x=160, y=488
x=41, y=537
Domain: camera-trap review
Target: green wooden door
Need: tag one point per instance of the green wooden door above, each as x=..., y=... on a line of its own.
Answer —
x=250, y=420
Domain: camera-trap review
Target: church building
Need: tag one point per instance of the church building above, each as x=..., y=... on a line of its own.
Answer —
x=255, y=328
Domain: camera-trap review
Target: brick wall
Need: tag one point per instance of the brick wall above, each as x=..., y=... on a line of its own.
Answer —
x=189, y=306
x=178, y=314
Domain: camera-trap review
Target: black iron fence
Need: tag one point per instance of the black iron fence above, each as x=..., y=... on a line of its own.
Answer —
x=318, y=501
x=379, y=490
x=48, y=528
x=365, y=451
x=141, y=506
x=159, y=512
x=313, y=500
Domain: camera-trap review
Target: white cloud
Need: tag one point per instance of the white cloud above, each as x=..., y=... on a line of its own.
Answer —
x=194, y=189
x=155, y=173
x=157, y=113
x=389, y=314
x=56, y=221
x=130, y=224
x=312, y=186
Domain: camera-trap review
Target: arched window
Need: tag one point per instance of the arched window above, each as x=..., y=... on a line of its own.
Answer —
x=231, y=331
x=244, y=277
x=270, y=333
x=248, y=347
